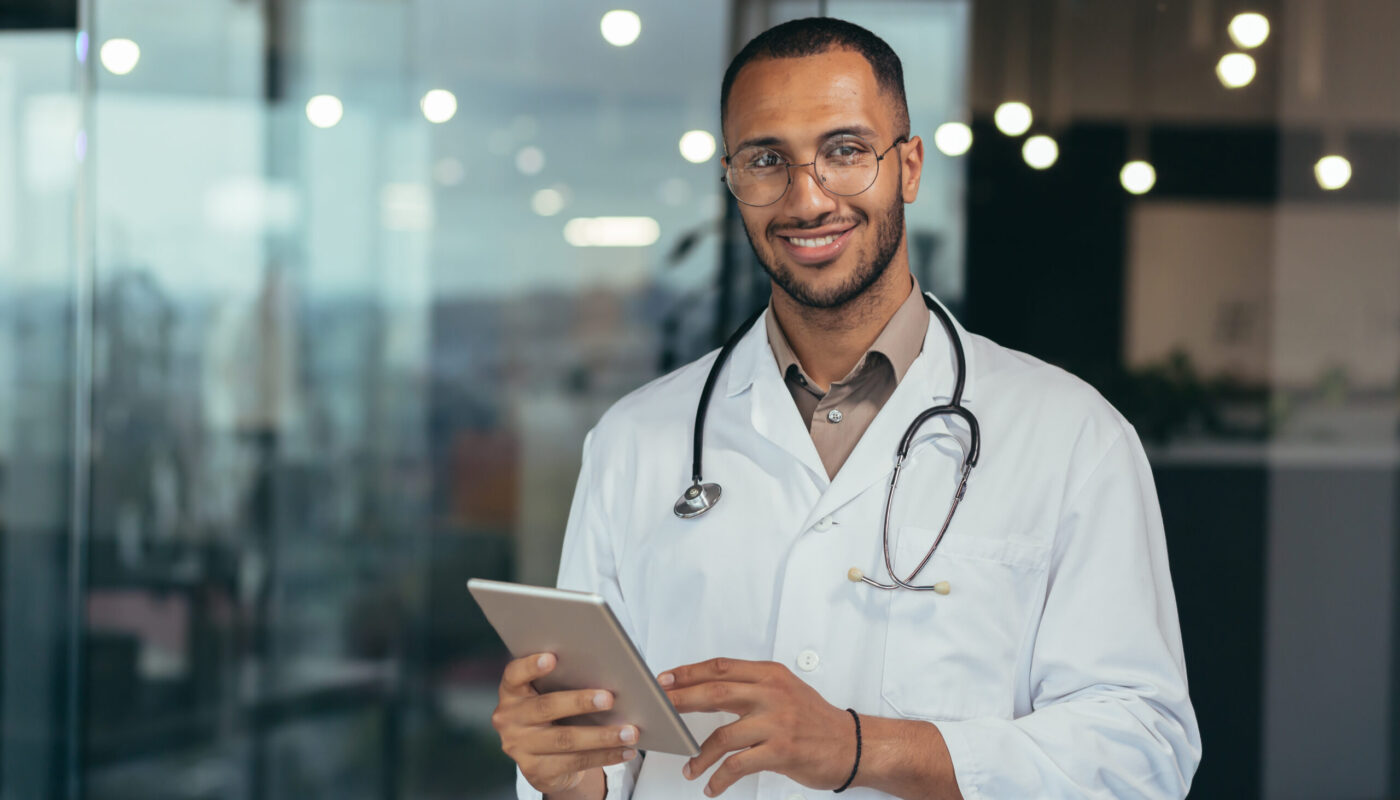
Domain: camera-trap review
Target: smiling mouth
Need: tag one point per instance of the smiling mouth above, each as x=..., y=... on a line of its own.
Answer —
x=814, y=251
x=819, y=242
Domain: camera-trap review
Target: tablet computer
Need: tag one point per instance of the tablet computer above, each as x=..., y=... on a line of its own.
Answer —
x=592, y=652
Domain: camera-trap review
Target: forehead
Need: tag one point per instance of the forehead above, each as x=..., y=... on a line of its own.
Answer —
x=795, y=99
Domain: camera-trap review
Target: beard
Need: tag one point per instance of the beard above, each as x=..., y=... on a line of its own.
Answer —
x=889, y=234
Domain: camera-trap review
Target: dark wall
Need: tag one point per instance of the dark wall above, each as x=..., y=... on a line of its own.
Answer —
x=32, y=14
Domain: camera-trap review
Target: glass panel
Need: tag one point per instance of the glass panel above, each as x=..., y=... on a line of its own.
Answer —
x=346, y=357
x=39, y=292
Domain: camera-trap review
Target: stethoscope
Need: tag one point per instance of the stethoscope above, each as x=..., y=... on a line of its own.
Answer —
x=701, y=496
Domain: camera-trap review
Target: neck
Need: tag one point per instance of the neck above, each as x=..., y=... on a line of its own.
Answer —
x=830, y=341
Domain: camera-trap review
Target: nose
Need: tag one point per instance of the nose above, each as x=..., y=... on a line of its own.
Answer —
x=806, y=197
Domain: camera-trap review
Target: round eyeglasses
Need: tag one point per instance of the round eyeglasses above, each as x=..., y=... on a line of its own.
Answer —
x=845, y=165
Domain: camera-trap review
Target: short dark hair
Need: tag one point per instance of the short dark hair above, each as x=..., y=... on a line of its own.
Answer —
x=814, y=36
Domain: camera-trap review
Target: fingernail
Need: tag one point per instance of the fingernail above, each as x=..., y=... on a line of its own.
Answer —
x=600, y=700
x=685, y=770
x=629, y=754
x=629, y=734
x=709, y=792
x=665, y=679
x=543, y=661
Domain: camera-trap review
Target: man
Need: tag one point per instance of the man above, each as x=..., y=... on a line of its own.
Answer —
x=1049, y=662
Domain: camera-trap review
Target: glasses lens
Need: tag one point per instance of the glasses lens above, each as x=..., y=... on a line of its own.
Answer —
x=847, y=165
x=757, y=176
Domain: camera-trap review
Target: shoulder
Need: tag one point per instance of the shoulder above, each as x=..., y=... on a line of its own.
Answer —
x=1057, y=402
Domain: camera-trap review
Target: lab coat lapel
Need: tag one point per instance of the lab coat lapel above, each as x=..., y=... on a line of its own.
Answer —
x=928, y=382
x=771, y=410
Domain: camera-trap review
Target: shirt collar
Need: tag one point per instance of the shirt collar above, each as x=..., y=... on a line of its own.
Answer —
x=755, y=355
x=899, y=342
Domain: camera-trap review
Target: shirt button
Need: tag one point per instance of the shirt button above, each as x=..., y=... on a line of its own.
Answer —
x=823, y=524
x=807, y=660
x=835, y=415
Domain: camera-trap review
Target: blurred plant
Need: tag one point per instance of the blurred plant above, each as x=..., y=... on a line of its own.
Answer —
x=1170, y=399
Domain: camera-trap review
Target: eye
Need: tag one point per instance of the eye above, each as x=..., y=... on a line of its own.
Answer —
x=761, y=159
x=845, y=150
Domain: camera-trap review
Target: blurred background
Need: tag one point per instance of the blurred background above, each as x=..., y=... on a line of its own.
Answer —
x=306, y=306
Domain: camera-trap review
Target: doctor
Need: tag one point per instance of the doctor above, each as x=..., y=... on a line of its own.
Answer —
x=1047, y=663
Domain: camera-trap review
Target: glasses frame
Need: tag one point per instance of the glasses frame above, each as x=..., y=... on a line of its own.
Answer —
x=724, y=179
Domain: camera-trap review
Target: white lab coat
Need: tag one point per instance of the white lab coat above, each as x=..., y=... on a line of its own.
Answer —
x=1054, y=667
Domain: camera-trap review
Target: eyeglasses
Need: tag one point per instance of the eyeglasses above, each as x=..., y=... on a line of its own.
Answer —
x=845, y=165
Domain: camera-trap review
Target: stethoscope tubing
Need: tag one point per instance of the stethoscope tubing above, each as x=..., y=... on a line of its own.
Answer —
x=700, y=497
x=709, y=388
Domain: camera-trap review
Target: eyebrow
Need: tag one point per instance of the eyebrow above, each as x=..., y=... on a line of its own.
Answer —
x=862, y=131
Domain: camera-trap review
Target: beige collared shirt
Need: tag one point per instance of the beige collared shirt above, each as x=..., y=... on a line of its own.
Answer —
x=839, y=417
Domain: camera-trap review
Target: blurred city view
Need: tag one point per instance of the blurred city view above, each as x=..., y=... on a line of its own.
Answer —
x=307, y=305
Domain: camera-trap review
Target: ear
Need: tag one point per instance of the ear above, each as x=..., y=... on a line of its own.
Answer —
x=912, y=160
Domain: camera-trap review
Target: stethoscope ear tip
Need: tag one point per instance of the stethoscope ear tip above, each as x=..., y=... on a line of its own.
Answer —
x=855, y=575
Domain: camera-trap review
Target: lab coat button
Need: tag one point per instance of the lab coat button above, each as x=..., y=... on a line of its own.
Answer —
x=835, y=415
x=807, y=660
x=823, y=524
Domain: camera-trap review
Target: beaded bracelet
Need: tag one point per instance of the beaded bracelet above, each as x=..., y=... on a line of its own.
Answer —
x=856, y=766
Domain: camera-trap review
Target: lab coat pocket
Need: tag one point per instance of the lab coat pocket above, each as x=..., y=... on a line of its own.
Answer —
x=958, y=656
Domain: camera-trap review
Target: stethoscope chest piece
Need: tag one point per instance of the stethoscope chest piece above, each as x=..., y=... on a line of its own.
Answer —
x=696, y=500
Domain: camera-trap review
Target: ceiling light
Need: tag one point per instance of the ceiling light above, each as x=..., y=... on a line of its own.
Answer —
x=953, y=138
x=621, y=28
x=119, y=56
x=439, y=105
x=1040, y=152
x=1235, y=70
x=1013, y=119
x=1138, y=177
x=612, y=231
x=530, y=160
x=547, y=202
x=324, y=110
x=1249, y=30
x=697, y=147
x=1333, y=172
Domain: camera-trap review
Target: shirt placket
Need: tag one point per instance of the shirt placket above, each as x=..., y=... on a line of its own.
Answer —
x=827, y=420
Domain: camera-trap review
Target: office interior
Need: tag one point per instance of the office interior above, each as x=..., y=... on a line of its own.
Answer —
x=307, y=305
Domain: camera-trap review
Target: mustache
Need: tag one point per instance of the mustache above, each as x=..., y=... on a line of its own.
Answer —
x=810, y=224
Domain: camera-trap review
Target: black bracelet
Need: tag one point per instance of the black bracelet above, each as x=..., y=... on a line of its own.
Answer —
x=855, y=766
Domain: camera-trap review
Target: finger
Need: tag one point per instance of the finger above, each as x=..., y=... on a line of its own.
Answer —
x=740, y=698
x=520, y=672
x=726, y=738
x=553, y=706
x=556, y=739
x=716, y=669
x=744, y=762
x=554, y=766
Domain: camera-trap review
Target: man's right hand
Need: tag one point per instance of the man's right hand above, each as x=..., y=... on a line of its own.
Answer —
x=555, y=758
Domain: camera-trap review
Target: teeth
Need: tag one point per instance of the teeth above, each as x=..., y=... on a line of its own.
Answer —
x=825, y=240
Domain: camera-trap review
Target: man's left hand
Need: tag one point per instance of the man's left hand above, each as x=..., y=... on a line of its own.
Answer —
x=784, y=725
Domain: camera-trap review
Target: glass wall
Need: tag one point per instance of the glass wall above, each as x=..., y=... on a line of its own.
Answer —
x=40, y=149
